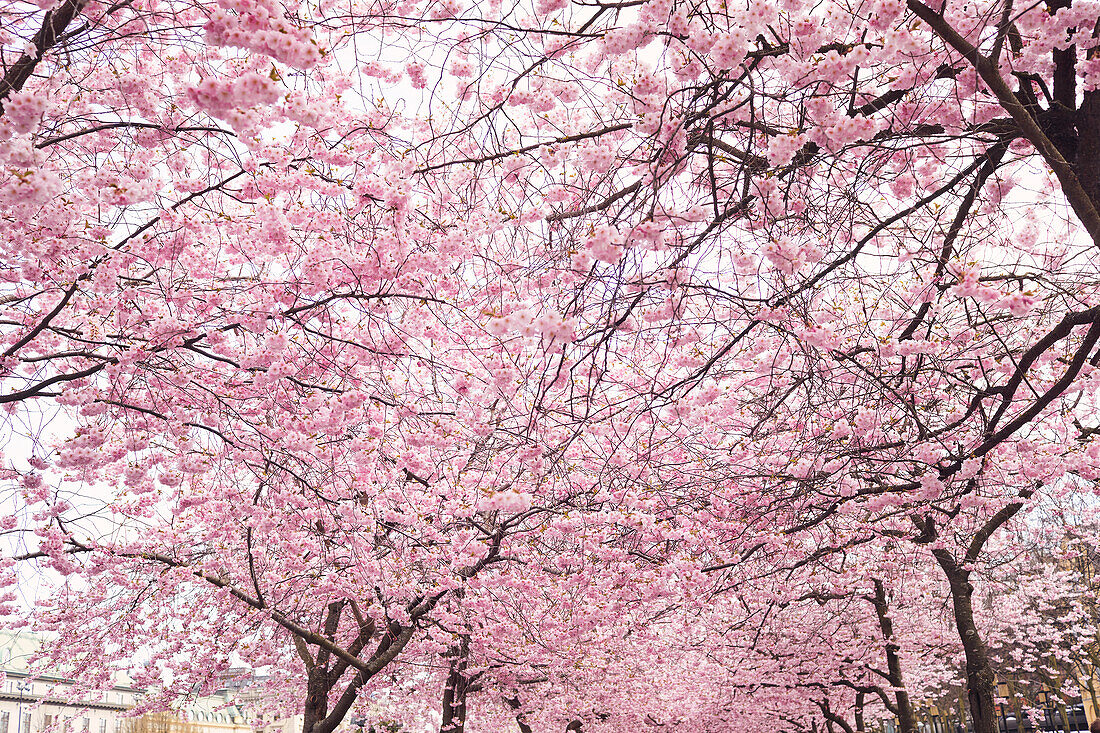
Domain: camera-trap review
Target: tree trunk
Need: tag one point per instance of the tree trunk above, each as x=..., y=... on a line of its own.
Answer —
x=831, y=718
x=1017, y=708
x=908, y=721
x=454, y=692
x=981, y=682
x=324, y=672
x=316, y=707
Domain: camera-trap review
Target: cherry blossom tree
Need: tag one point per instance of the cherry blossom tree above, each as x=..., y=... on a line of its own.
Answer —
x=351, y=337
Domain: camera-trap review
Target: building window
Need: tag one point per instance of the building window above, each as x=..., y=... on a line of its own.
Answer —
x=48, y=724
x=86, y=725
x=5, y=722
x=103, y=726
x=26, y=722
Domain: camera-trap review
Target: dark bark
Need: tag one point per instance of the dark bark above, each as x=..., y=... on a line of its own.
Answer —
x=53, y=25
x=908, y=721
x=1088, y=144
x=1065, y=70
x=1077, y=178
x=1063, y=131
x=325, y=672
x=319, y=680
x=457, y=687
x=981, y=681
x=1017, y=708
x=454, y=692
x=831, y=718
x=316, y=705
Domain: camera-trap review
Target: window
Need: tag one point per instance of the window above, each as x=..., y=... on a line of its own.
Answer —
x=118, y=725
x=86, y=725
x=48, y=724
x=103, y=726
x=5, y=722
x=26, y=722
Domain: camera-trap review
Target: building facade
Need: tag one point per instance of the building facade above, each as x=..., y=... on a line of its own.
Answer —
x=48, y=703
x=38, y=703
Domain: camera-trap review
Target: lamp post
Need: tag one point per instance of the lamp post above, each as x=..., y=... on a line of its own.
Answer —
x=22, y=687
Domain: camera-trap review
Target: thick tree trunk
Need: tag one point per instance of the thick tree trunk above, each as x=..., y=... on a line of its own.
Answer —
x=454, y=692
x=1092, y=674
x=981, y=681
x=318, y=679
x=907, y=720
x=316, y=707
x=325, y=672
x=1088, y=146
x=1017, y=708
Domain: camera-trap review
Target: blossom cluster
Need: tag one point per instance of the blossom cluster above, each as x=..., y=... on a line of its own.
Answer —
x=23, y=110
x=789, y=256
x=969, y=285
x=261, y=27
x=220, y=96
x=546, y=323
x=509, y=500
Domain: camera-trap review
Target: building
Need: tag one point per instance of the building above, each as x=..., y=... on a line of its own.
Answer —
x=48, y=703
x=38, y=703
x=216, y=713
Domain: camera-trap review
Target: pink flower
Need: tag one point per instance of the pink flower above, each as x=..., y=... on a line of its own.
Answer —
x=24, y=110
x=221, y=96
x=415, y=70
x=728, y=49
x=605, y=244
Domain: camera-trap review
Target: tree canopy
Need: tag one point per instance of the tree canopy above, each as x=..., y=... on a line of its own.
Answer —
x=560, y=365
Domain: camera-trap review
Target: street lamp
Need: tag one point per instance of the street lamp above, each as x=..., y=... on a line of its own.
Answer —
x=22, y=687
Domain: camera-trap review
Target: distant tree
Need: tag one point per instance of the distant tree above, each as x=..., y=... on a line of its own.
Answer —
x=160, y=722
